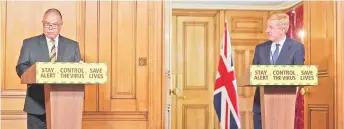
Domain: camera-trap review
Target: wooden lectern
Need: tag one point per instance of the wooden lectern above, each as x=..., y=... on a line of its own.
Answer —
x=277, y=102
x=63, y=102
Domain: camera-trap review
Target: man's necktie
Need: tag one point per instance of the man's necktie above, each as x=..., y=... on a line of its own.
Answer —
x=52, y=54
x=275, y=55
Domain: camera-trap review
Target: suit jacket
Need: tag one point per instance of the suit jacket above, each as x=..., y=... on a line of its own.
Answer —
x=35, y=49
x=292, y=53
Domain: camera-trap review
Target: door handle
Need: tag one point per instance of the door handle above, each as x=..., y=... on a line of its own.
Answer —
x=176, y=92
x=305, y=91
x=173, y=91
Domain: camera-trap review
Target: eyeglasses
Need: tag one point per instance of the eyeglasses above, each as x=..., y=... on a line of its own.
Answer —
x=53, y=25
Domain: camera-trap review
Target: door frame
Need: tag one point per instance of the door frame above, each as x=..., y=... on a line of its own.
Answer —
x=339, y=68
x=167, y=79
x=183, y=12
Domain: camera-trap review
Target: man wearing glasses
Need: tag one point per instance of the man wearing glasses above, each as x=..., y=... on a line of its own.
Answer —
x=48, y=47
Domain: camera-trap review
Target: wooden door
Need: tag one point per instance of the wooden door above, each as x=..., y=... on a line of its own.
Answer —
x=193, y=72
x=127, y=36
x=320, y=45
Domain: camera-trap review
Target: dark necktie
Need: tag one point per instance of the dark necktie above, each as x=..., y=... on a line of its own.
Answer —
x=275, y=55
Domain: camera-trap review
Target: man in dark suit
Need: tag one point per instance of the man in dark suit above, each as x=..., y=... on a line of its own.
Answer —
x=278, y=50
x=48, y=47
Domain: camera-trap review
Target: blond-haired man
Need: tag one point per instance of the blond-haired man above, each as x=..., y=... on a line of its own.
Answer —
x=278, y=50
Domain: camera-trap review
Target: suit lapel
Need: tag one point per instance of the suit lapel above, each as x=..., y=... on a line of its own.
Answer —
x=61, y=48
x=44, y=47
x=284, y=52
x=268, y=53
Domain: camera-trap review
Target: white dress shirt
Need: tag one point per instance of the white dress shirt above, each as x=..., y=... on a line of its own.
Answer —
x=273, y=47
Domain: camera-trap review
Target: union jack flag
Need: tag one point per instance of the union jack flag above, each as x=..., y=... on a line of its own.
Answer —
x=225, y=91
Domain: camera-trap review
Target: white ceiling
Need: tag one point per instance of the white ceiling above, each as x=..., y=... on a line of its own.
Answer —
x=234, y=4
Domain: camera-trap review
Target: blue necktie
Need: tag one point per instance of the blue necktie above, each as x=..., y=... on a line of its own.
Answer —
x=275, y=55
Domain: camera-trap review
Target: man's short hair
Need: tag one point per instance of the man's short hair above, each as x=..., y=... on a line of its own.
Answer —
x=53, y=10
x=282, y=18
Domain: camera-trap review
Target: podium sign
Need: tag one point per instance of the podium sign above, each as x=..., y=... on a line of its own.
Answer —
x=278, y=87
x=291, y=75
x=71, y=73
x=64, y=85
